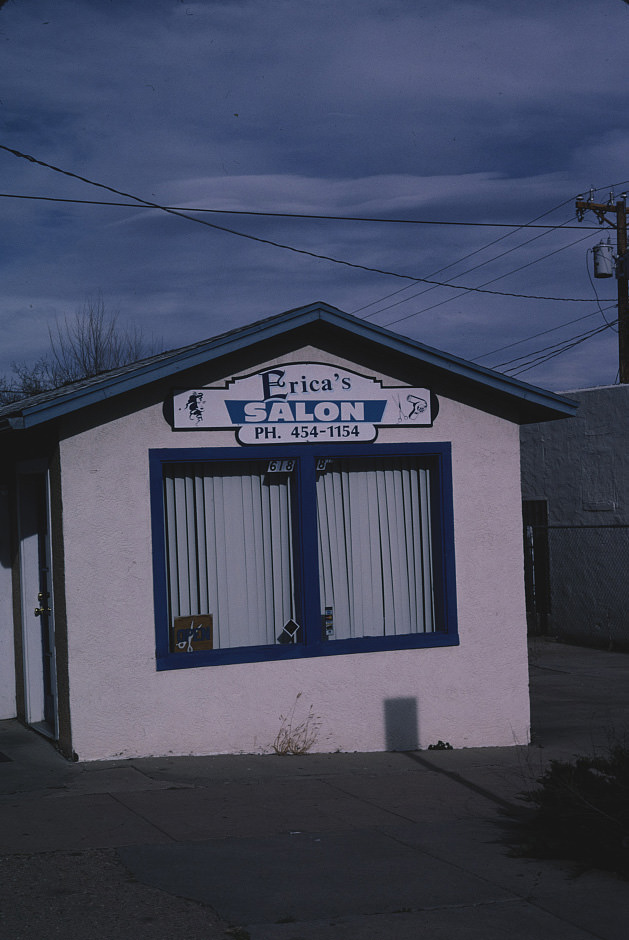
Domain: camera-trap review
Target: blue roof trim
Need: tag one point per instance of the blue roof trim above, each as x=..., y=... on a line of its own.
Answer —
x=47, y=406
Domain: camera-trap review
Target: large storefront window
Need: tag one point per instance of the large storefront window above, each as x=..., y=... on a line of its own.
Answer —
x=375, y=552
x=229, y=550
x=261, y=554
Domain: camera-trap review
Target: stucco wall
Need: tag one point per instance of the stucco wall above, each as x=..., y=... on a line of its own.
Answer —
x=581, y=467
x=471, y=695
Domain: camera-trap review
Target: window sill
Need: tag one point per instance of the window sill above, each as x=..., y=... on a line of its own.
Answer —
x=257, y=654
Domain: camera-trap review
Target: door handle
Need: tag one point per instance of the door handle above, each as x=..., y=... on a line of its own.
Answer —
x=42, y=610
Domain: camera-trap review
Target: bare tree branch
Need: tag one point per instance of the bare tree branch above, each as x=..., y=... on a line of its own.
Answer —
x=80, y=347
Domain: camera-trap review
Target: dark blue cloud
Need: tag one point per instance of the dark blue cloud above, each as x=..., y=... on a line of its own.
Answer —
x=460, y=110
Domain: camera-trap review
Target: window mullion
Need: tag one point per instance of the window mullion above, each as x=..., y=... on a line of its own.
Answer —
x=308, y=555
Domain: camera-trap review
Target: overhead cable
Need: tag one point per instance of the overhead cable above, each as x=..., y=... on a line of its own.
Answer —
x=492, y=280
x=284, y=215
x=274, y=244
x=527, y=339
x=462, y=274
x=530, y=224
x=459, y=261
x=552, y=351
x=552, y=346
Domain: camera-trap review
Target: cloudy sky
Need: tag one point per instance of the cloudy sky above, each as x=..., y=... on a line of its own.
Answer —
x=397, y=110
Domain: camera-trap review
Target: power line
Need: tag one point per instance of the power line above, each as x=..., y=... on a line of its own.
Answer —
x=470, y=255
x=573, y=341
x=527, y=339
x=554, y=355
x=552, y=346
x=492, y=280
x=551, y=352
x=287, y=215
x=462, y=274
x=610, y=186
x=274, y=244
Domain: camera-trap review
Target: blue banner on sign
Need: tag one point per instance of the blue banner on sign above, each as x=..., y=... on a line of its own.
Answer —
x=296, y=411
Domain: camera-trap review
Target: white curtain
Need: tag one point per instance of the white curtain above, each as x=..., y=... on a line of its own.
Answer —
x=375, y=561
x=228, y=548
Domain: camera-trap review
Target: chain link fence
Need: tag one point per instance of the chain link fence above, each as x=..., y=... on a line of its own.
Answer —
x=577, y=583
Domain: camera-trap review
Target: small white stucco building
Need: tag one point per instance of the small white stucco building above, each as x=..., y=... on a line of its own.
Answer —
x=309, y=516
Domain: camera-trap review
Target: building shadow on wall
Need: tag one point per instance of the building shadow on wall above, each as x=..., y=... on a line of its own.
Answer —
x=401, y=724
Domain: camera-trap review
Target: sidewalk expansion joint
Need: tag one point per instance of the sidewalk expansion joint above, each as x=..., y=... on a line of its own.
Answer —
x=534, y=902
x=142, y=817
x=374, y=803
x=471, y=905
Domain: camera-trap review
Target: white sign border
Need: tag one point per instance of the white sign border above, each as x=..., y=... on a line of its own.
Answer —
x=433, y=405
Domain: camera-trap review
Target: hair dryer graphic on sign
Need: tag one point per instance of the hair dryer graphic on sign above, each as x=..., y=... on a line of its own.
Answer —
x=412, y=408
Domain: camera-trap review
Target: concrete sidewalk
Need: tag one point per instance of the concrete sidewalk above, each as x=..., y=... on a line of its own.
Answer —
x=307, y=848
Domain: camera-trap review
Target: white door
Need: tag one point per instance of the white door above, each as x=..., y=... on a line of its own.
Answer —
x=38, y=638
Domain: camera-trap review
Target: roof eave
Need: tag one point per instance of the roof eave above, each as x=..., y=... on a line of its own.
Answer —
x=463, y=369
x=118, y=385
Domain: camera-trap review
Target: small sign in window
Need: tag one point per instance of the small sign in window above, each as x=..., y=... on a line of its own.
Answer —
x=328, y=622
x=193, y=633
x=290, y=633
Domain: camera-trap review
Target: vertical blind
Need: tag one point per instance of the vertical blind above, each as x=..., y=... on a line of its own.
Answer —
x=229, y=549
x=375, y=556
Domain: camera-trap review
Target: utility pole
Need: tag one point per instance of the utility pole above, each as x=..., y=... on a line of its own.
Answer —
x=619, y=209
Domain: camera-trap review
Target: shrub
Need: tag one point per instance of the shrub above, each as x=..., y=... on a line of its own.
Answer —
x=582, y=812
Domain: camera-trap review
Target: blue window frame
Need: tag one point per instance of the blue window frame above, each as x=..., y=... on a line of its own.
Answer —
x=291, y=595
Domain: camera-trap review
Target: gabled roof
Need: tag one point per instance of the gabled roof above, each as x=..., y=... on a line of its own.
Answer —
x=528, y=402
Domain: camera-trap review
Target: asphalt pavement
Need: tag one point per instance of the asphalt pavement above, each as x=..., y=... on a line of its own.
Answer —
x=385, y=846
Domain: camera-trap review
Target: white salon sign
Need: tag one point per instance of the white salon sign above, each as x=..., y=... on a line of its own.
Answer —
x=300, y=403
